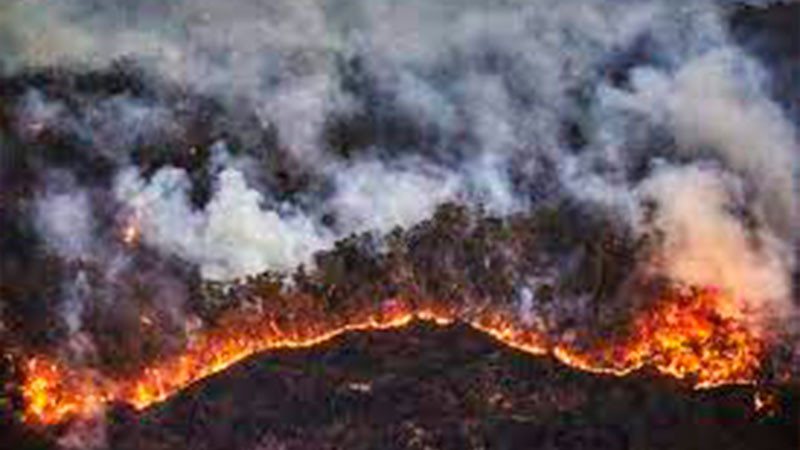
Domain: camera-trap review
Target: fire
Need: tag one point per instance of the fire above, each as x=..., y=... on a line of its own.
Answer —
x=688, y=334
x=699, y=335
x=131, y=233
x=696, y=334
x=766, y=403
x=51, y=393
x=54, y=393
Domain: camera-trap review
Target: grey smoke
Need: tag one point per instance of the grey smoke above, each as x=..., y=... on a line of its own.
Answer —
x=66, y=221
x=716, y=103
x=483, y=89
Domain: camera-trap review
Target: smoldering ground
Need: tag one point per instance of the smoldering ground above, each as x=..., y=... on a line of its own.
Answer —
x=251, y=137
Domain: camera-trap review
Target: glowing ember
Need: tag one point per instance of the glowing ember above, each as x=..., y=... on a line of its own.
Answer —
x=131, y=232
x=766, y=403
x=687, y=335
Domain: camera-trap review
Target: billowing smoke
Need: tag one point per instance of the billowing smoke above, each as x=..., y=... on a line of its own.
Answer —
x=149, y=147
x=728, y=211
x=705, y=242
x=231, y=237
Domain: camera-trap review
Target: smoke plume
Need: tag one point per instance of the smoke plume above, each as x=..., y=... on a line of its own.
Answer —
x=151, y=149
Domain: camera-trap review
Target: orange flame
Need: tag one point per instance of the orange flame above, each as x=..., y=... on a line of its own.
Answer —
x=131, y=232
x=695, y=334
x=687, y=335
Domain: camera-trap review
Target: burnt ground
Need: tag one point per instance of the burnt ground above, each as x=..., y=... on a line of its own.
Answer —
x=445, y=388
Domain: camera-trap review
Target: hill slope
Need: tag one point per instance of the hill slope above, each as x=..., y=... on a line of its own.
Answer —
x=444, y=388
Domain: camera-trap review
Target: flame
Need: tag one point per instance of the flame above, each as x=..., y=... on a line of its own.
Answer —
x=131, y=233
x=51, y=393
x=697, y=334
x=689, y=334
x=702, y=335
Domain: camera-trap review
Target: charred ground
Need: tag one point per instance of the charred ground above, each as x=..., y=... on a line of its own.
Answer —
x=450, y=388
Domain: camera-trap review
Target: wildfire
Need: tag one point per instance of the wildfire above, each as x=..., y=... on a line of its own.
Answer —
x=695, y=334
x=52, y=392
x=699, y=335
x=687, y=335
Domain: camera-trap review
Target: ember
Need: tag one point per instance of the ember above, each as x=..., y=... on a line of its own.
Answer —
x=131, y=232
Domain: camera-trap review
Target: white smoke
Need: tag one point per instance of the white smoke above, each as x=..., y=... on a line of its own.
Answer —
x=705, y=244
x=716, y=104
x=488, y=86
x=238, y=233
x=233, y=236
x=371, y=196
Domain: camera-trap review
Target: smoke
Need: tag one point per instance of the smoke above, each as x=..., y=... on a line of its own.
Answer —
x=716, y=107
x=244, y=137
x=372, y=197
x=706, y=244
x=727, y=204
x=66, y=222
x=232, y=237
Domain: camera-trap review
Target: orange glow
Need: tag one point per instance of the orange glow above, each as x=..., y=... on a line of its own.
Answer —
x=699, y=335
x=696, y=334
x=131, y=232
x=688, y=335
x=766, y=403
x=51, y=393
